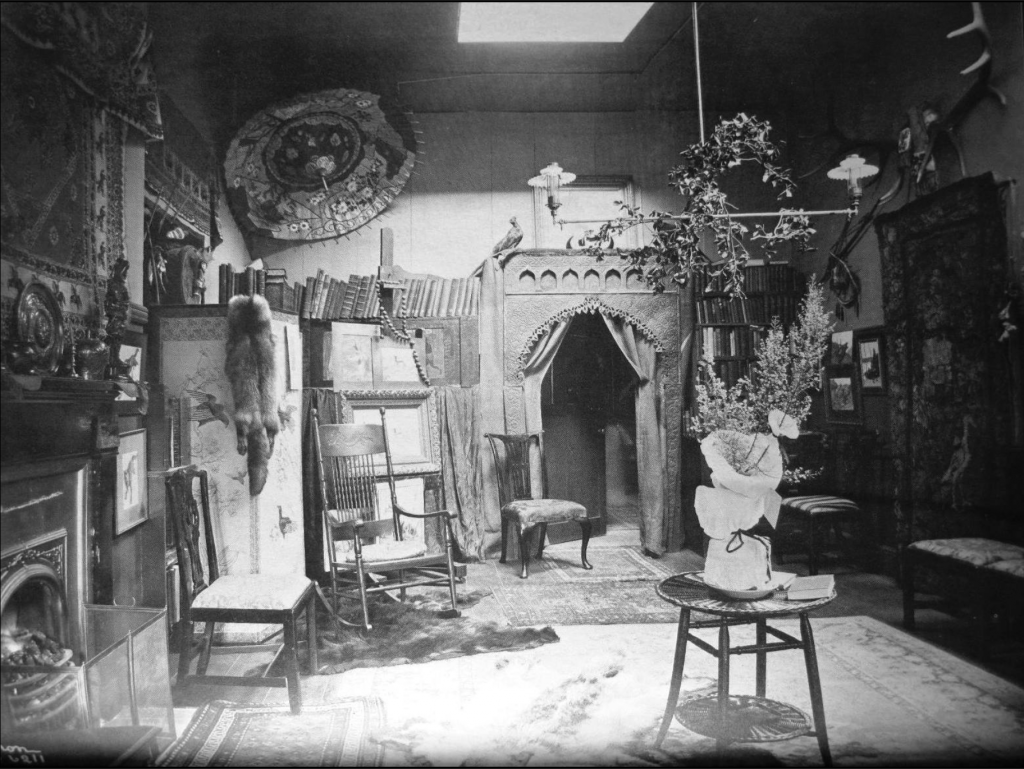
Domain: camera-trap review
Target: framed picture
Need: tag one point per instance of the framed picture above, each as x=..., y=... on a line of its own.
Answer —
x=130, y=507
x=870, y=346
x=413, y=432
x=842, y=397
x=395, y=365
x=840, y=350
x=133, y=365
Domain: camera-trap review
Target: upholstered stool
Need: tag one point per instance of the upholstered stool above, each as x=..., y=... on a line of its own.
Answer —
x=815, y=511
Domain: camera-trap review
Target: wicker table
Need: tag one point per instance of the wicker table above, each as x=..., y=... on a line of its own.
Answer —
x=742, y=718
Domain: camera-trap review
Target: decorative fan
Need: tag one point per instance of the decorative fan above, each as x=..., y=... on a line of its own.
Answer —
x=319, y=165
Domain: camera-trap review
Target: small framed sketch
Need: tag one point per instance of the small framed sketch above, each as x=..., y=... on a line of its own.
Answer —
x=130, y=508
x=840, y=350
x=842, y=396
x=413, y=432
x=870, y=347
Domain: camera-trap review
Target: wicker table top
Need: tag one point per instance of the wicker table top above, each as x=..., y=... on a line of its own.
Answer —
x=689, y=592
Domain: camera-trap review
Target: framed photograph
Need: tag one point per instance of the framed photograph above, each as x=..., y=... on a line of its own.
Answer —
x=840, y=350
x=413, y=432
x=842, y=398
x=870, y=346
x=130, y=507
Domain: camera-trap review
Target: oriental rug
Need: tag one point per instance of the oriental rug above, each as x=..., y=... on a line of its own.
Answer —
x=231, y=734
x=619, y=589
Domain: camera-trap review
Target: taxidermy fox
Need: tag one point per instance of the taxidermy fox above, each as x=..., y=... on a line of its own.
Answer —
x=252, y=371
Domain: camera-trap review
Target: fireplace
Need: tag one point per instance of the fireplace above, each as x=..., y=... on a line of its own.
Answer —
x=69, y=657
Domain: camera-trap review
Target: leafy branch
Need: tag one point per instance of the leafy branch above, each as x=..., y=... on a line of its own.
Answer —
x=675, y=251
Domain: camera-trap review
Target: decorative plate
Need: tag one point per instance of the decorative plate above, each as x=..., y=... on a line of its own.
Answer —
x=735, y=595
x=41, y=326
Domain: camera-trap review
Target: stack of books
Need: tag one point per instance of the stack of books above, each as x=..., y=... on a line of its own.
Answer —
x=436, y=297
x=811, y=588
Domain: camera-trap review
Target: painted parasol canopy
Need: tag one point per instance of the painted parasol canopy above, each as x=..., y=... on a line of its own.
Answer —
x=319, y=165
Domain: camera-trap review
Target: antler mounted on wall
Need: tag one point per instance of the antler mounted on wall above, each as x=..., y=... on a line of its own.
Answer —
x=927, y=128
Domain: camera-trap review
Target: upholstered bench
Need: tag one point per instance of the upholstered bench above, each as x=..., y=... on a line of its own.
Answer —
x=988, y=566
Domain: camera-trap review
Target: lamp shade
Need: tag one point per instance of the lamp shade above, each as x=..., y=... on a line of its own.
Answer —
x=852, y=167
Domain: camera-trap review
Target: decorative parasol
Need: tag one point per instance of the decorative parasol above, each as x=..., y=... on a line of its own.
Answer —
x=319, y=165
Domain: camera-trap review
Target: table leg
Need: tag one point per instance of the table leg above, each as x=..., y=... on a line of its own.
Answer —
x=817, y=707
x=677, y=674
x=762, y=657
x=723, y=686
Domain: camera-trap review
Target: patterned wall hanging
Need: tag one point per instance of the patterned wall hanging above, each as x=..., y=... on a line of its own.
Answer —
x=319, y=165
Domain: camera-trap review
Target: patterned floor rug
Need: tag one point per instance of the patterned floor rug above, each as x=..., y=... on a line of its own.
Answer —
x=231, y=734
x=620, y=589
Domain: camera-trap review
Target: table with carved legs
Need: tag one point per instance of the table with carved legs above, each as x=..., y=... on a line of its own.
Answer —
x=742, y=718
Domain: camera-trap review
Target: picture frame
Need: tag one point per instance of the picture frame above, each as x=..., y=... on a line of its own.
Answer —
x=396, y=365
x=869, y=344
x=133, y=354
x=413, y=427
x=840, y=349
x=130, y=500
x=842, y=396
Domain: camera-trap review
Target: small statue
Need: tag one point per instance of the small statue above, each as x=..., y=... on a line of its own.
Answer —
x=116, y=304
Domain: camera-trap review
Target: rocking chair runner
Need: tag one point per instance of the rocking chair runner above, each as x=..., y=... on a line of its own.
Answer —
x=245, y=598
x=348, y=468
x=519, y=507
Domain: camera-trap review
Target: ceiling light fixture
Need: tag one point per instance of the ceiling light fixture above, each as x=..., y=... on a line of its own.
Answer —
x=548, y=22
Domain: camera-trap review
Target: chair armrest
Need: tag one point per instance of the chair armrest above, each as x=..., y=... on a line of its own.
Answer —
x=435, y=514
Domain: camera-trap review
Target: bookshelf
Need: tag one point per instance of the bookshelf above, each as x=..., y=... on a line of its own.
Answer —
x=729, y=329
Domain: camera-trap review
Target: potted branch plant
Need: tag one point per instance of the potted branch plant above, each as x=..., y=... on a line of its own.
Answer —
x=739, y=429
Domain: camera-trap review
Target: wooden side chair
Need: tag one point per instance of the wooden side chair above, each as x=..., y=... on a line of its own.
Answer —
x=380, y=560
x=209, y=597
x=518, y=506
x=823, y=513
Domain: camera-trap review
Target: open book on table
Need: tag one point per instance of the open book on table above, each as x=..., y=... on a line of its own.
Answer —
x=810, y=588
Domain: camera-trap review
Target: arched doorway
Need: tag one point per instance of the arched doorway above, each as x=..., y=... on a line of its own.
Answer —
x=589, y=416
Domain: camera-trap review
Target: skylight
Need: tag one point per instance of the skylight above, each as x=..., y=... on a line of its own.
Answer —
x=548, y=22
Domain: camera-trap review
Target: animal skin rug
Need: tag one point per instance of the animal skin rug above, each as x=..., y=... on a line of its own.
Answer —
x=251, y=369
x=420, y=630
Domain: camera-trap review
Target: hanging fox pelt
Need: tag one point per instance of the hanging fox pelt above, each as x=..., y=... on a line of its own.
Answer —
x=252, y=371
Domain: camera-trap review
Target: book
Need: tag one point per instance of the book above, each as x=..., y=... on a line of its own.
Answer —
x=332, y=293
x=446, y=292
x=307, y=297
x=349, y=302
x=373, y=302
x=453, y=297
x=318, y=290
x=474, y=299
x=810, y=588
x=362, y=297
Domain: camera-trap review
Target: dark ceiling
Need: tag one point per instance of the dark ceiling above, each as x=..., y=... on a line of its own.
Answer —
x=221, y=62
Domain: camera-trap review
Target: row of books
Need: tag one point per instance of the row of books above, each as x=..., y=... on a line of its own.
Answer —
x=762, y=309
x=271, y=283
x=723, y=310
x=757, y=279
x=435, y=297
x=330, y=298
x=726, y=341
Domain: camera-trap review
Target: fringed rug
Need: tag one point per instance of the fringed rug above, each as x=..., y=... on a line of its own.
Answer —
x=230, y=734
x=420, y=630
x=620, y=589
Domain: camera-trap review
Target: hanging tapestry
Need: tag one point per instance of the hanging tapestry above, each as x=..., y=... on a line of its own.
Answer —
x=103, y=47
x=944, y=274
x=319, y=165
x=62, y=212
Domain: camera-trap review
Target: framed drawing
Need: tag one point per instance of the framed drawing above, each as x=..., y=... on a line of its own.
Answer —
x=351, y=364
x=842, y=397
x=132, y=357
x=130, y=503
x=413, y=432
x=840, y=350
x=870, y=347
x=395, y=365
